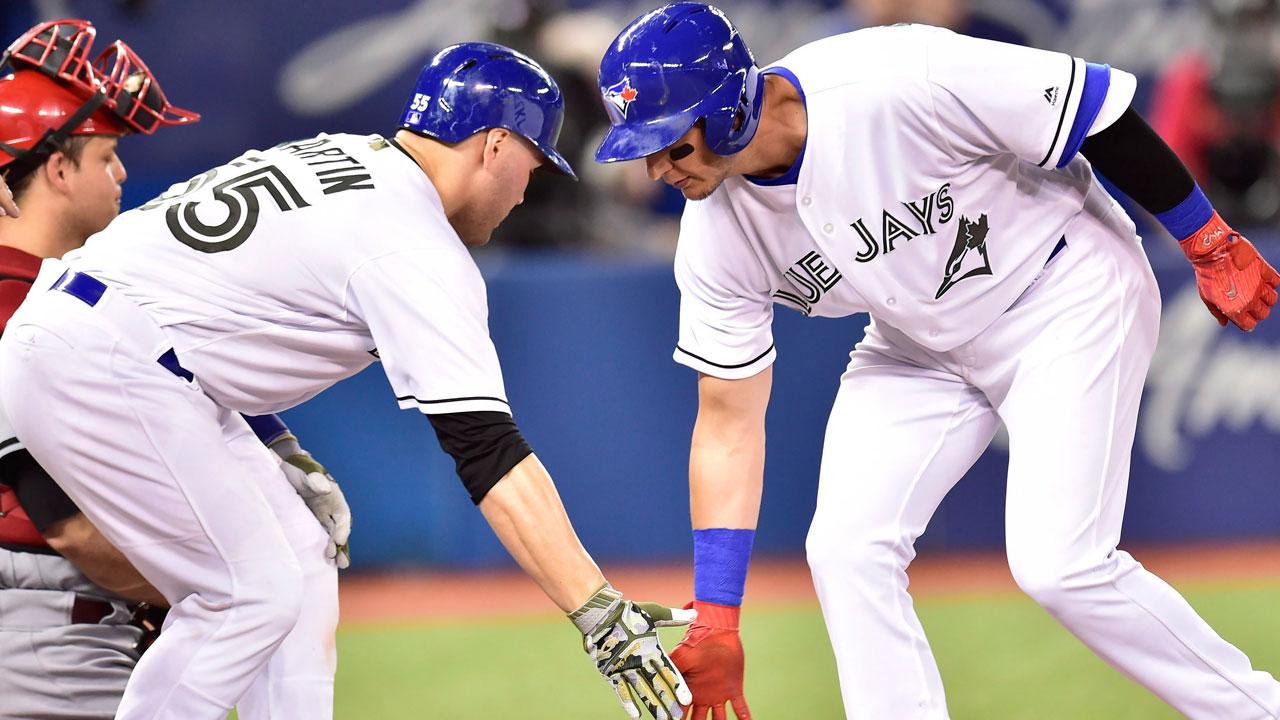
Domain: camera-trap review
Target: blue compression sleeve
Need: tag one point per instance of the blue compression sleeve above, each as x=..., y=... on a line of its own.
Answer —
x=1187, y=216
x=268, y=428
x=1097, y=81
x=720, y=559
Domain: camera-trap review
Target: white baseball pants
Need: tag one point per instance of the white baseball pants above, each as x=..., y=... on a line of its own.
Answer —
x=195, y=501
x=1064, y=369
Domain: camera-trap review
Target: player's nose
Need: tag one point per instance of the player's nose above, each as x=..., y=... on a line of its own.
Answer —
x=657, y=164
x=121, y=174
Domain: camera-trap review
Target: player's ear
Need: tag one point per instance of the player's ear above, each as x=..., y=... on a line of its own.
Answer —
x=496, y=143
x=56, y=171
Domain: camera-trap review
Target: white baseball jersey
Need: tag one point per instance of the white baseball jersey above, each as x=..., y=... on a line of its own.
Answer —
x=286, y=270
x=928, y=194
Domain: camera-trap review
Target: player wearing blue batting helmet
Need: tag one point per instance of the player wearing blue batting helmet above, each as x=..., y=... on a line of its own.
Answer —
x=475, y=86
x=669, y=69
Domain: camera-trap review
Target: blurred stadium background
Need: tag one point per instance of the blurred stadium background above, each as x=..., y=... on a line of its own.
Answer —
x=583, y=310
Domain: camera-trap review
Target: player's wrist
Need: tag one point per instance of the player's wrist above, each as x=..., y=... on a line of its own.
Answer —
x=602, y=607
x=1207, y=241
x=285, y=445
x=716, y=616
x=1190, y=215
x=720, y=560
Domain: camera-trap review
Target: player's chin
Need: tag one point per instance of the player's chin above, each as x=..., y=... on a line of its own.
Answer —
x=699, y=190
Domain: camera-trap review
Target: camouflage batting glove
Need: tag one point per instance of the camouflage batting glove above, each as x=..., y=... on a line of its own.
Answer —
x=320, y=492
x=621, y=636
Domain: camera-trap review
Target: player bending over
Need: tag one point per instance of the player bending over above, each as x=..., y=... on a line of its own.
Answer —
x=255, y=286
x=944, y=185
x=77, y=614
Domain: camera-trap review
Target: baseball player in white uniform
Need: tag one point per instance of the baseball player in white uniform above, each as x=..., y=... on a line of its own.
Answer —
x=255, y=286
x=68, y=641
x=944, y=185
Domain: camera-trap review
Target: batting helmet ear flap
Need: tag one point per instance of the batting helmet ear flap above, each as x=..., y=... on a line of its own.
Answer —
x=735, y=128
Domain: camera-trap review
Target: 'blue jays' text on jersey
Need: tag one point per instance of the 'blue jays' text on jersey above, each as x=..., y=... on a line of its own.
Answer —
x=939, y=173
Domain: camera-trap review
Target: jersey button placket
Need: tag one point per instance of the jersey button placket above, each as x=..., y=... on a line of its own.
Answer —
x=828, y=228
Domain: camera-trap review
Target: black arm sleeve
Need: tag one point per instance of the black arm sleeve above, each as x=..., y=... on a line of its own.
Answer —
x=38, y=494
x=1134, y=158
x=484, y=445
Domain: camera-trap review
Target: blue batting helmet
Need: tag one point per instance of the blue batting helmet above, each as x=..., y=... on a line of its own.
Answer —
x=477, y=86
x=670, y=68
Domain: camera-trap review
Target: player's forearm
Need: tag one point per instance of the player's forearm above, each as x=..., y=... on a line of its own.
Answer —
x=726, y=456
x=726, y=477
x=527, y=515
x=80, y=542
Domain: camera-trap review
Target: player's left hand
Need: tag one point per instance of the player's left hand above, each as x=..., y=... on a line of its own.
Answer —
x=711, y=658
x=320, y=492
x=621, y=636
x=1235, y=282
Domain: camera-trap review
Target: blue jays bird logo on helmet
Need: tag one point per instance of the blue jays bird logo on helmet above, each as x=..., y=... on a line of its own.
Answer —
x=619, y=97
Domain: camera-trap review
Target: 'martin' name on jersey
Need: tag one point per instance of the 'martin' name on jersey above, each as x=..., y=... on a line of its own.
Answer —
x=338, y=171
x=937, y=207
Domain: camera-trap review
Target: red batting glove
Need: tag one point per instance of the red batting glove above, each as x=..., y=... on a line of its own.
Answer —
x=1235, y=282
x=710, y=659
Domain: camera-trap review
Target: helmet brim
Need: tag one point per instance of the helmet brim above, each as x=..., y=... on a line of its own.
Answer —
x=556, y=161
x=632, y=141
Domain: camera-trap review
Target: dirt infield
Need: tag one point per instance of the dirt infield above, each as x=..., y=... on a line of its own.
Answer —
x=426, y=596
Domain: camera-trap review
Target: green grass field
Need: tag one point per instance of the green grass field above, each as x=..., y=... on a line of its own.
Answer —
x=1002, y=658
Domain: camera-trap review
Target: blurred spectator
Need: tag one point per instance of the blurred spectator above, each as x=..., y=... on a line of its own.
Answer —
x=552, y=214
x=612, y=208
x=1219, y=109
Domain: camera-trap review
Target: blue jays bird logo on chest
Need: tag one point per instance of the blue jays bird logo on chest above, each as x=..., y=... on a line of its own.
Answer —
x=620, y=96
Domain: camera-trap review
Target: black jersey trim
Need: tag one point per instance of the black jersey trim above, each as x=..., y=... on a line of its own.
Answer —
x=8, y=443
x=752, y=361
x=1066, y=101
x=420, y=401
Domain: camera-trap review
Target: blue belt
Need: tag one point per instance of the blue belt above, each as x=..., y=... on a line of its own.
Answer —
x=89, y=290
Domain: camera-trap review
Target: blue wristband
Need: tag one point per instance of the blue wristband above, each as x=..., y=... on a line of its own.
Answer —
x=1187, y=216
x=720, y=560
x=268, y=428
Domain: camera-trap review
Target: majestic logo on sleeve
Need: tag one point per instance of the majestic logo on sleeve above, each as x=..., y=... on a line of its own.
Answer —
x=970, y=251
x=620, y=96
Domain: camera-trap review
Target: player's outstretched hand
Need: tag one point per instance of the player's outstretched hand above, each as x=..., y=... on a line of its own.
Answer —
x=7, y=205
x=621, y=636
x=320, y=492
x=1235, y=282
x=711, y=659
